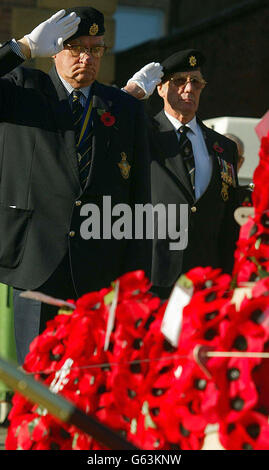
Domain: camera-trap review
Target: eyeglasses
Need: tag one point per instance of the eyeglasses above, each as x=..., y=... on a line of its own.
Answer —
x=77, y=49
x=181, y=82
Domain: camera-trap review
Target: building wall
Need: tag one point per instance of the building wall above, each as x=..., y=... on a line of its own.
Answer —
x=237, y=68
x=190, y=11
x=19, y=17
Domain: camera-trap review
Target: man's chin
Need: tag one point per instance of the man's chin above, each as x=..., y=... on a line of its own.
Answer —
x=188, y=106
x=85, y=79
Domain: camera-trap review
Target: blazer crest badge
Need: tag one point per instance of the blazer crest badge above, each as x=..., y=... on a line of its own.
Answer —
x=124, y=166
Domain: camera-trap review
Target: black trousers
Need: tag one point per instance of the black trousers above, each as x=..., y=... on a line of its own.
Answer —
x=31, y=316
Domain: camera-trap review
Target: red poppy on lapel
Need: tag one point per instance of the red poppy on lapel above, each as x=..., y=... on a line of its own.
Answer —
x=217, y=148
x=107, y=119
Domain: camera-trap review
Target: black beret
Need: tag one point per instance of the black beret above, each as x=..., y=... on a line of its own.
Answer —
x=91, y=24
x=183, y=61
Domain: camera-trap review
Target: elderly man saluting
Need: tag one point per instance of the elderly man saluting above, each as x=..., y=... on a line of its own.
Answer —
x=66, y=141
x=190, y=165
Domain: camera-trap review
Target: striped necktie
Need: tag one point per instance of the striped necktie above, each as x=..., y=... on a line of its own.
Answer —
x=186, y=152
x=84, y=148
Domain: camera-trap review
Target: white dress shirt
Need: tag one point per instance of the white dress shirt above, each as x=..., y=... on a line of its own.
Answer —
x=203, y=162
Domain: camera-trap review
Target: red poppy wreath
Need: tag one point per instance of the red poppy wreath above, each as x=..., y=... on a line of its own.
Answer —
x=156, y=395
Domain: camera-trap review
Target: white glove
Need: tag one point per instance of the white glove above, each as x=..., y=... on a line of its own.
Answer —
x=148, y=78
x=47, y=38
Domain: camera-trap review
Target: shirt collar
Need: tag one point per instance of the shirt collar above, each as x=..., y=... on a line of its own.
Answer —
x=70, y=89
x=177, y=124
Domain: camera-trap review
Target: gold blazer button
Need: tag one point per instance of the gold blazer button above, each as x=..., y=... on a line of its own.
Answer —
x=193, y=208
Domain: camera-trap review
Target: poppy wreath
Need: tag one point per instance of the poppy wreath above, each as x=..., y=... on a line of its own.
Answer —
x=154, y=394
x=252, y=254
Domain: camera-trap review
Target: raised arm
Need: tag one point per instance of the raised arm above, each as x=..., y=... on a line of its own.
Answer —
x=44, y=41
x=143, y=83
x=48, y=37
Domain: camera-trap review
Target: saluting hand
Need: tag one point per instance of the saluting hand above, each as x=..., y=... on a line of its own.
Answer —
x=147, y=78
x=47, y=38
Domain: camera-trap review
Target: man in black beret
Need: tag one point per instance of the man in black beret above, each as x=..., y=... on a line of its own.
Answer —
x=192, y=167
x=72, y=150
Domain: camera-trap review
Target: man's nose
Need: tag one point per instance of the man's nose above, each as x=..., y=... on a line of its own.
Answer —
x=86, y=57
x=188, y=85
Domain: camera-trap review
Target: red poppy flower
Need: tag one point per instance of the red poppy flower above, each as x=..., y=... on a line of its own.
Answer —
x=250, y=432
x=81, y=441
x=148, y=436
x=134, y=284
x=238, y=391
x=25, y=440
x=184, y=428
x=107, y=119
x=260, y=195
x=203, y=277
x=14, y=430
x=218, y=148
x=261, y=288
x=20, y=406
x=246, y=271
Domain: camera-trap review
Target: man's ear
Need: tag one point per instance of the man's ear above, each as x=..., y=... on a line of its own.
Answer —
x=160, y=89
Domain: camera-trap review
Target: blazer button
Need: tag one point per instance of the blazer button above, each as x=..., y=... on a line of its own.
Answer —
x=78, y=203
x=72, y=233
x=193, y=209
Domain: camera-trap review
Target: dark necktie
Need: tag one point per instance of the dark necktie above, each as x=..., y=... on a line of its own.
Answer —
x=186, y=153
x=84, y=149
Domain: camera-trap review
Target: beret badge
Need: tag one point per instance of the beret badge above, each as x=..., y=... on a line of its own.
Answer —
x=192, y=61
x=93, y=29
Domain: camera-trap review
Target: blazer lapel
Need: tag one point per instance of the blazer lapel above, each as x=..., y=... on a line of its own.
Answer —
x=101, y=105
x=210, y=140
x=101, y=133
x=169, y=146
x=63, y=116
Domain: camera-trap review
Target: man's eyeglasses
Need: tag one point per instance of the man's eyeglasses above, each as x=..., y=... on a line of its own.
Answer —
x=77, y=49
x=181, y=82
